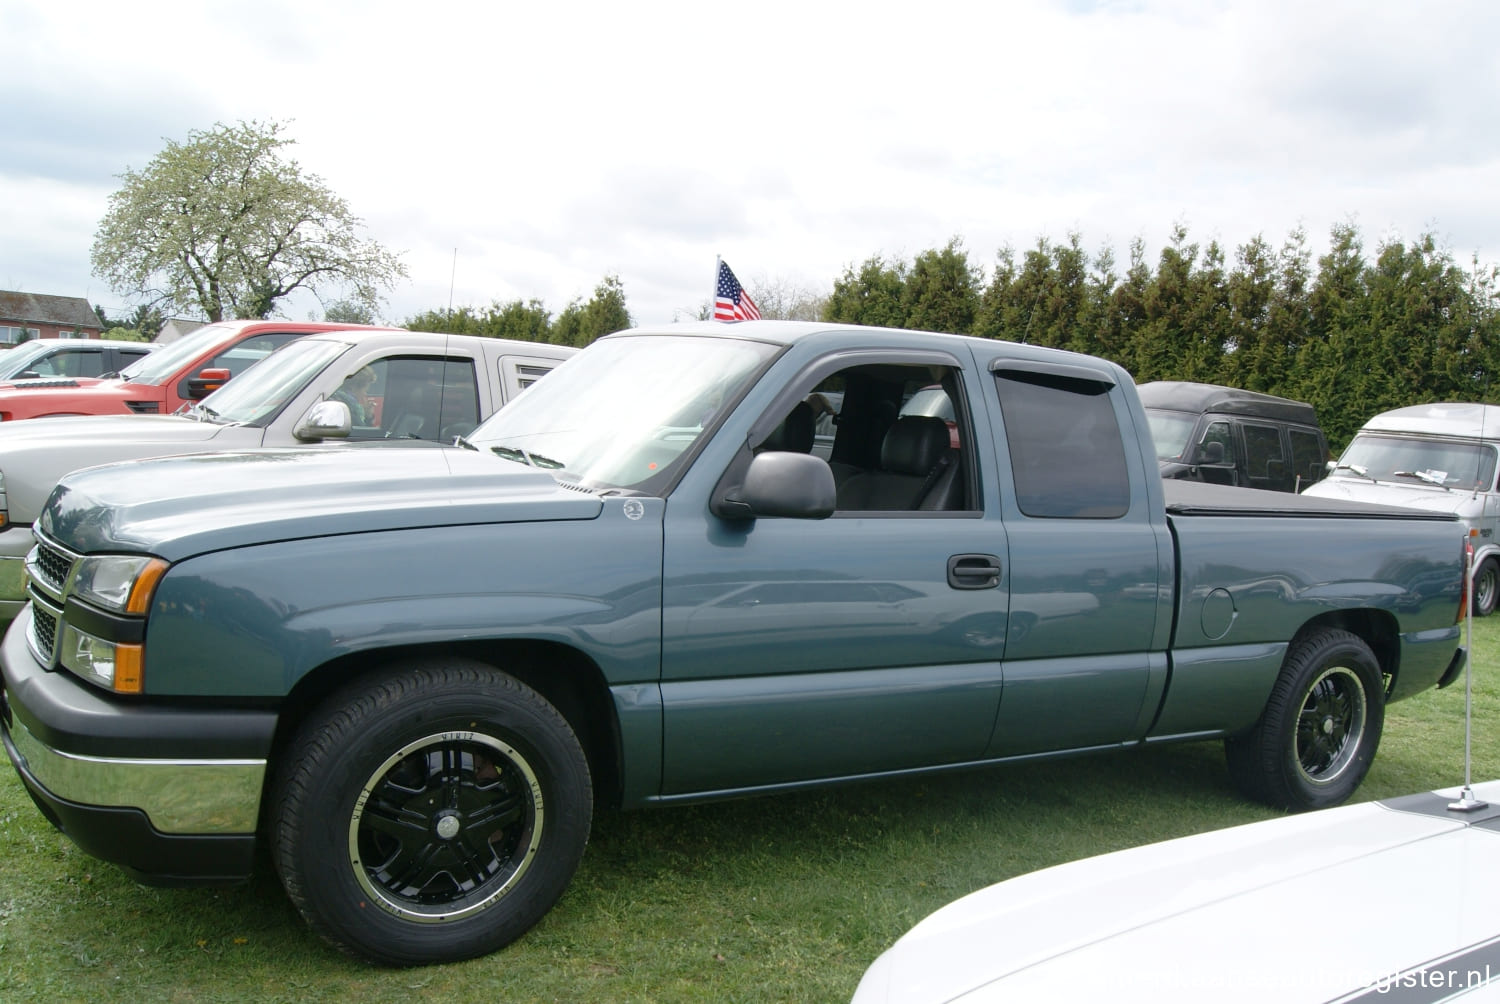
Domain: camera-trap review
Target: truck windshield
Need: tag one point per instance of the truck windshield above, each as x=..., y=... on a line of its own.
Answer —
x=1418, y=461
x=19, y=359
x=1170, y=431
x=621, y=414
x=258, y=394
x=160, y=366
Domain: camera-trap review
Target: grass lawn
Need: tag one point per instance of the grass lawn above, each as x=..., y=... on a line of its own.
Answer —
x=768, y=899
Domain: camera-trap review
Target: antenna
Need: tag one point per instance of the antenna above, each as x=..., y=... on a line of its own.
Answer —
x=447, y=340
x=451, y=277
x=1466, y=800
x=1032, y=315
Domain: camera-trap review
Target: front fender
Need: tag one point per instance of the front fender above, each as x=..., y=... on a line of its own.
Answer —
x=251, y=622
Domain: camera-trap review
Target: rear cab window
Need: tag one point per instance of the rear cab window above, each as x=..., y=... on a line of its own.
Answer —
x=1067, y=455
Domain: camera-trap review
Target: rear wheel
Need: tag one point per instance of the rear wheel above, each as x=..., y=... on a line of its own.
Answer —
x=1486, y=587
x=1321, y=726
x=434, y=813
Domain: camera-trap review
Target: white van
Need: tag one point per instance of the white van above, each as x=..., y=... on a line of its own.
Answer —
x=1438, y=457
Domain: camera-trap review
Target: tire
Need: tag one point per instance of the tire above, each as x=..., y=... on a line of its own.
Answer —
x=1486, y=587
x=432, y=813
x=1321, y=726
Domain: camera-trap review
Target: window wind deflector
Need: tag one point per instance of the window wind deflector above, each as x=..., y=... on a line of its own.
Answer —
x=1067, y=376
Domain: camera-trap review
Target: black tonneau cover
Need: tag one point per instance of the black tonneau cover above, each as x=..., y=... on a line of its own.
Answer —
x=1194, y=498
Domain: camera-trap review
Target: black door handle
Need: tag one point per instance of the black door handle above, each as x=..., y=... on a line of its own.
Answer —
x=973, y=571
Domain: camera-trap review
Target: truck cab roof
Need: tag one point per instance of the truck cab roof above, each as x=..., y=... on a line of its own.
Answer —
x=1449, y=418
x=1181, y=395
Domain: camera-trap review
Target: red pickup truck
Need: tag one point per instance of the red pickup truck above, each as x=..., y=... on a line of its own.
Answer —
x=186, y=370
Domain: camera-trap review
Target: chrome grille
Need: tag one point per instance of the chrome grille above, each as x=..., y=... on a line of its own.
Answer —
x=51, y=566
x=43, y=635
x=47, y=569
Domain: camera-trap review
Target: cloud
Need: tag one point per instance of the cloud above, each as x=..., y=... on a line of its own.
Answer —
x=526, y=152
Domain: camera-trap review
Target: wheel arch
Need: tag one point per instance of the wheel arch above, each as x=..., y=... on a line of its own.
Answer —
x=1486, y=549
x=1376, y=628
x=567, y=678
x=1485, y=557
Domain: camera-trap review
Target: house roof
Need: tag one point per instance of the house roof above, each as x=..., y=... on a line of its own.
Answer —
x=38, y=308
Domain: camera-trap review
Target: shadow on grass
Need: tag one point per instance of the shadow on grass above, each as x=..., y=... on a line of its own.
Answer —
x=770, y=898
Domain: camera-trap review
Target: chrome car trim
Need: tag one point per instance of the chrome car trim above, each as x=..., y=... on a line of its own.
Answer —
x=51, y=566
x=46, y=617
x=178, y=796
x=49, y=572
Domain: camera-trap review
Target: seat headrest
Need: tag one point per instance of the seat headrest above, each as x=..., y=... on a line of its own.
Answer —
x=795, y=433
x=914, y=445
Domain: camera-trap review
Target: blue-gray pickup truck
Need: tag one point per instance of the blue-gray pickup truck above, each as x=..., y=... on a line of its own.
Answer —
x=695, y=562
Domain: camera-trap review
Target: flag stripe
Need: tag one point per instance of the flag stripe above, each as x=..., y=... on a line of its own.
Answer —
x=731, y=302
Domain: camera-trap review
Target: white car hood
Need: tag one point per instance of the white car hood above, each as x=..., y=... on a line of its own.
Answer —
x=37, y=452
x=1401, y=895
x=113, y=428
x=1414, y=496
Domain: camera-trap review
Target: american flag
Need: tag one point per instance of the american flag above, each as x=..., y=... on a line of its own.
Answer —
x=731, y=302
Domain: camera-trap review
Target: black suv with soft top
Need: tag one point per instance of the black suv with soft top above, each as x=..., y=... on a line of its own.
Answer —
x=1205, y=432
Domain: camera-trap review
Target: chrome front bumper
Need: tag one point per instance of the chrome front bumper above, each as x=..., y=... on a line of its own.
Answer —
x=178, y=796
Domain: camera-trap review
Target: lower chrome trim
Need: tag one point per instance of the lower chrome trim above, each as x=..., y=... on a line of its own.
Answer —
x=178, y=796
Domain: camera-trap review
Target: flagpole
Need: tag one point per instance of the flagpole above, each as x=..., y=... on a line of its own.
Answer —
x=713, y=298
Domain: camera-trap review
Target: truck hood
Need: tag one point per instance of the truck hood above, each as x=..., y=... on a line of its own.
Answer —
x=1430, y=498
x=34, y=455
x=44, y=383
x=123, y=429
x=180, y=506
x=83, y=390
x=1298, y=908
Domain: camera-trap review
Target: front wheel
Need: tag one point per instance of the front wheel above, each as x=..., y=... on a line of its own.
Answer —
x=430, y=814
x=1320, y=728
x=1486, y=587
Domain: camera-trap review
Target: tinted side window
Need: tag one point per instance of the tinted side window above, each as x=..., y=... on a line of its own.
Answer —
x=247, y=353
x=78, y=363
x=1219, y=432
x=1263, y=452
x=420, y=398
x=1065, y=447
x=1307, y=458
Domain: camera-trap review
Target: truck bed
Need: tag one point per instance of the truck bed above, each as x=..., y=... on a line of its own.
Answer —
x=1192, y=498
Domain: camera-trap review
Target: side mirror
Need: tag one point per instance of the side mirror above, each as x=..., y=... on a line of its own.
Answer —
x=1331, y=466
x=27, y=375
x=206, y=382
x=325, y=420
x=792, y=485
x=1211, y=453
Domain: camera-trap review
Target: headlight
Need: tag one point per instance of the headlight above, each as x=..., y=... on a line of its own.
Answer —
x=118, y=582
x=113, y=666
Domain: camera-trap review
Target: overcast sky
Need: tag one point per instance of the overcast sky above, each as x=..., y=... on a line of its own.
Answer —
x=513, y=150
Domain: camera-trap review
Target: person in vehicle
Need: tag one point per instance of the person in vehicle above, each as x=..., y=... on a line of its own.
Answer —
x=355, y=392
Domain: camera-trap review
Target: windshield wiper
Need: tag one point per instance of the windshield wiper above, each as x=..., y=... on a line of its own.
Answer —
x=527, y=457
x=1357, y=469
x=1427, y=476
x=203, y=413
